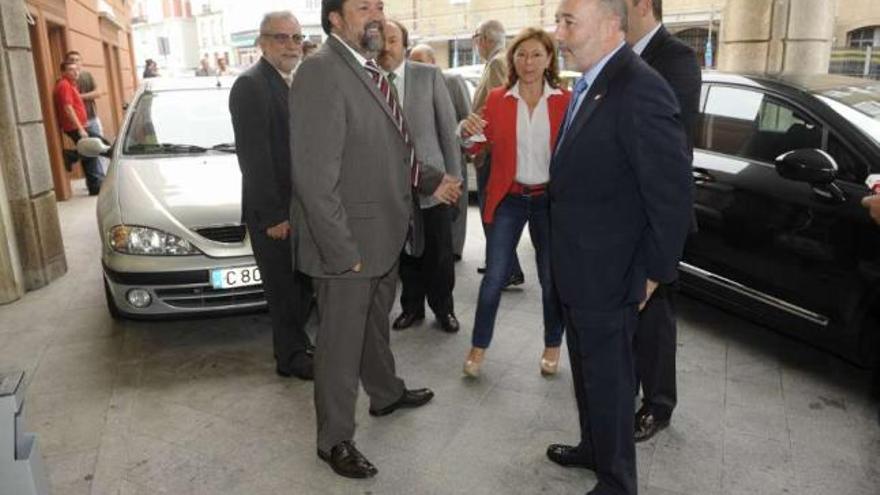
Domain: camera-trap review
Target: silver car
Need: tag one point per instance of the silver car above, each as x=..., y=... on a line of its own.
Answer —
x=169, y=212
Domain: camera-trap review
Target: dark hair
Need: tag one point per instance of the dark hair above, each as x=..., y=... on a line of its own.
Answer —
x=657, y=9
x=65, y=65
x=551, y=74
x=327, y=7
x=403, y=30
x=71, y=52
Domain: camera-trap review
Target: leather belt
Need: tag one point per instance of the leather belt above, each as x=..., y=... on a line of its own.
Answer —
x=528, y=190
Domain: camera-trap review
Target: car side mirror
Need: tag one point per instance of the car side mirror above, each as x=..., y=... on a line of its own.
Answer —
x=92, y=147
x=808, y=165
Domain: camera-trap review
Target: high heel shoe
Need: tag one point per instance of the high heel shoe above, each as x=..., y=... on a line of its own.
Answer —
x=550, y=361
x=473, y=362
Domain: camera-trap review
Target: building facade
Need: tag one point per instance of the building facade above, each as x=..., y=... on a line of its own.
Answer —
x=165, y=31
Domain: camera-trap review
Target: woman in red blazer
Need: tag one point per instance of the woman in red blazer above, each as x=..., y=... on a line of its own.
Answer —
x=519, y=122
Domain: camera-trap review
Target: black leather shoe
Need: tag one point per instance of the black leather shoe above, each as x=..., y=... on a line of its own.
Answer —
x=647, y=425
x=410, y=398
x=449, y=323
x=347, y=461
x=302, y=366
x=515, y=279
x=481, y=269
x=406, y=320
x=569, y=456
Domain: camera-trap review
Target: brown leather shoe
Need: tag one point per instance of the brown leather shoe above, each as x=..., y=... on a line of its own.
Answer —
x=647, y=425
x=347, y=461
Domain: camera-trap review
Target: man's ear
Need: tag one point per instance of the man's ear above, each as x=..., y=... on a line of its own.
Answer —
x=335, y=19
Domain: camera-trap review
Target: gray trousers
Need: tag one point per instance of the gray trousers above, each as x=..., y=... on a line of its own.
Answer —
x=353, y=347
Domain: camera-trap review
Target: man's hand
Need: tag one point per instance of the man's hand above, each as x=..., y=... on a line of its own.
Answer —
x=279, y=232
x=649, y=291
x=872, y=203
x=449, y=190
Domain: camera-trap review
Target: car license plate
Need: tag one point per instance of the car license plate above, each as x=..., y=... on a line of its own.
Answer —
x=230, y=278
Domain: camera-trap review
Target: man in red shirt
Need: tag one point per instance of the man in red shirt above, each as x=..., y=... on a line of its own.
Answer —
x=71, y=112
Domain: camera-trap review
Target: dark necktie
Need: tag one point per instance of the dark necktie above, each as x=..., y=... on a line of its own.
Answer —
x=414, y=235
x=580, y=86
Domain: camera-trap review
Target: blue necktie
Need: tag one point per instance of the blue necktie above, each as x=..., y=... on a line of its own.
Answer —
x=579, y=88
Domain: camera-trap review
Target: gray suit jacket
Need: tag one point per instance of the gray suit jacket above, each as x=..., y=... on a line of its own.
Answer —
x=430, y=117
x=351, y=177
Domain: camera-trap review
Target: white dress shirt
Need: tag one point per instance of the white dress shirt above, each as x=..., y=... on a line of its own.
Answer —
x=640, y=45
x=357, y=56
x=399, y=81
x=532, y=137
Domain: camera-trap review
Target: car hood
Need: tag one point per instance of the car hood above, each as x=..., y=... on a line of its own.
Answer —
x=174, y=193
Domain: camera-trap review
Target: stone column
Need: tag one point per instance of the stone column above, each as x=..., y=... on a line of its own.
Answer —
x=777, y=36
x=31, y=250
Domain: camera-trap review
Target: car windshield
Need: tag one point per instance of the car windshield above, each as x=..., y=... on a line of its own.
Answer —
x=180, y=122
x=858, y=104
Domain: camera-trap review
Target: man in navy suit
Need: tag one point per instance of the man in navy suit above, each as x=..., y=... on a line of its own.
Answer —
x=620, y=209
x=656, y=336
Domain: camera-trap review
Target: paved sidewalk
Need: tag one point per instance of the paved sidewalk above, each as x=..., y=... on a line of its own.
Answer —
x=194, y=406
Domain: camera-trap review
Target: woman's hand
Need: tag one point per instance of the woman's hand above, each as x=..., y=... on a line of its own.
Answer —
x=472, y=125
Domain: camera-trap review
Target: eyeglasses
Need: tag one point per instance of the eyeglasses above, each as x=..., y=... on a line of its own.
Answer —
x=282, y=38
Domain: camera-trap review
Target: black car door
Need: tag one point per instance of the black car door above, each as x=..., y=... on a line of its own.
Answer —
x=777, y=240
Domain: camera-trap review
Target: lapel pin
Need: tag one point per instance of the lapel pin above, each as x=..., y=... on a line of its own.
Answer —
x=597, y=97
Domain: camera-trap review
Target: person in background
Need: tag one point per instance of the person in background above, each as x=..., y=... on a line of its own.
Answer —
x=656, y=336
x=309, y=48
x=260, y=120
x=622, y=193
x=89, y=92
x=520, y=121
x=205, y=69
x=430, y=117
x=223, y=68
x=490, y=38
x=461, y=100
x=151, y=69
x=71, y=113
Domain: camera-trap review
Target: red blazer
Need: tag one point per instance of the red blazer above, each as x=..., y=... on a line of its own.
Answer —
x=500, y=115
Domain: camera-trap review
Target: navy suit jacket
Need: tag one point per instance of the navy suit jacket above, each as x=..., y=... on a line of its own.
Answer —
x=620, y=189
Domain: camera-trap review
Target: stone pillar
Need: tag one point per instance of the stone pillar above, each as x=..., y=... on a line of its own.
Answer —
x=31, y=250
x=777, y=36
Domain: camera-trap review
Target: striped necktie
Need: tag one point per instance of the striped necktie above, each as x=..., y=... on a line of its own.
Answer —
x=391, y=100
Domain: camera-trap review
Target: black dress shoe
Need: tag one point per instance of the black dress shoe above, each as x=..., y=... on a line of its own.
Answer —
x=410, y=398
x=481, y=269
x=647, y=425
x=302, y=366
x=569, y=456
x=347, y=461
x=406, y=320
x=449, y=323
x=515, y=279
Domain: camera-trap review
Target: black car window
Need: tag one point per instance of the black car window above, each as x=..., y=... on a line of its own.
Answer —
x=849, y=166
x=751, y=124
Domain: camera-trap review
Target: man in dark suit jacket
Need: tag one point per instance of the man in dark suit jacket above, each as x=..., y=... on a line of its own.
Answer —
x=656, y=336
x=620, y=209
x=354, y=178
x=258, y=103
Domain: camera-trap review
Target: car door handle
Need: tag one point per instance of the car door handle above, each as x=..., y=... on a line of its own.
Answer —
x=702, y=175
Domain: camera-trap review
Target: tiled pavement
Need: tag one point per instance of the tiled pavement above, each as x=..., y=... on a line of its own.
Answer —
x=194, y=406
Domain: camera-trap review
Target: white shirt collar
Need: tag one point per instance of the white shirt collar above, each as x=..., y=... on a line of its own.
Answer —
x=400, y=71
x=548, y=91
x=640, y=45
x=357, y=56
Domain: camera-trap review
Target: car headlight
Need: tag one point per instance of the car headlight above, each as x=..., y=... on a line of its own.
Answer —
x=129, y=239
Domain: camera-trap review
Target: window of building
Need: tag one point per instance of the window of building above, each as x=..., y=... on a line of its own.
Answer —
x=864, y=37
x=698, y=39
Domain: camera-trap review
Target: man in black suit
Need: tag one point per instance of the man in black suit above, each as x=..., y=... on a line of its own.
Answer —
x=258, y=103
x=620, y=209
x=656, y=336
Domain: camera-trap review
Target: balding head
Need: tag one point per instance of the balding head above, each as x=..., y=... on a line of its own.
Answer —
x=424, y=54
x=489, y=37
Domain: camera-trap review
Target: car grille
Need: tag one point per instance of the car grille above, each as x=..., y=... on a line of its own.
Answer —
x=225, y=233
x=209, y=297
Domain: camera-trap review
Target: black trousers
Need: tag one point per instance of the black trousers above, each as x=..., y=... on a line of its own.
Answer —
x=288, y=293
x=655, y=345
x=432, y=275
x=91, y=165
x=600, y=347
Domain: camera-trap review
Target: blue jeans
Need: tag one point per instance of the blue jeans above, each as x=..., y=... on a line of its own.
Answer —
x=510, y=219
x=482, y=182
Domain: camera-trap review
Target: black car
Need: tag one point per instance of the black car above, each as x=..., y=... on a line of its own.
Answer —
x=779, y=169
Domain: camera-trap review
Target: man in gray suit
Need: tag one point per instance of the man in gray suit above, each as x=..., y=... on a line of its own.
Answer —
x=354, y=174
x=461, y=100
x=430, y=116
